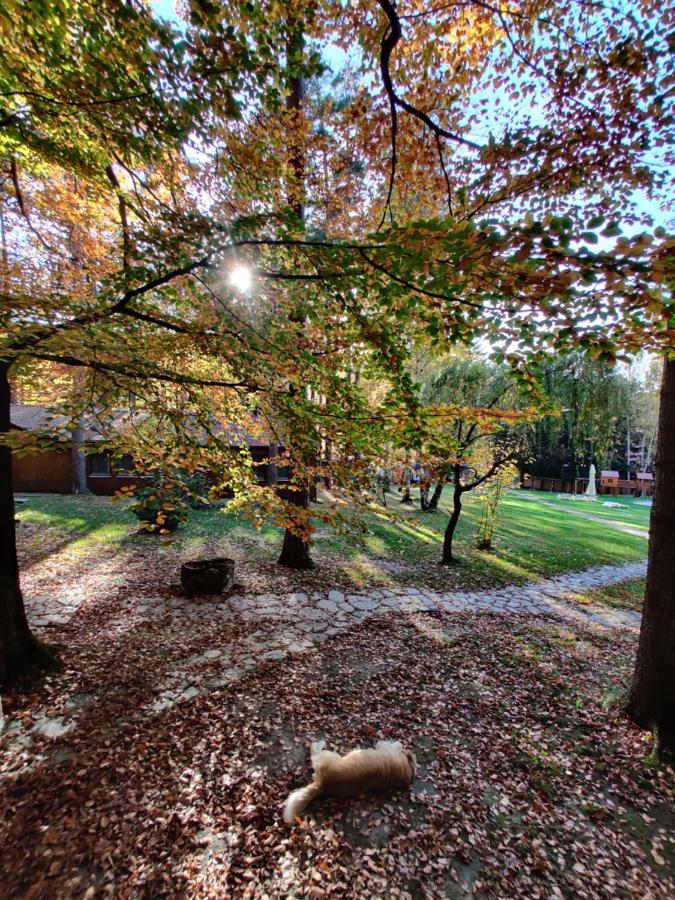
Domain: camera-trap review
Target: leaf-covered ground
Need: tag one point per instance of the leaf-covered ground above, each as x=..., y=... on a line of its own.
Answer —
x=530, y=783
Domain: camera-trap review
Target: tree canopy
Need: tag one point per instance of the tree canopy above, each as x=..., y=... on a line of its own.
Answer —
x=606, y=416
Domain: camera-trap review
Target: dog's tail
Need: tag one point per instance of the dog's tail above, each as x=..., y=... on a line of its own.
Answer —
x=298, y=800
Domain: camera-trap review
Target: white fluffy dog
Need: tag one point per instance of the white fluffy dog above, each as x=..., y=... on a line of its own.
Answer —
x=386, y=765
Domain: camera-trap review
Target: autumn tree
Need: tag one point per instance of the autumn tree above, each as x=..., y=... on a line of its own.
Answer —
x=591, y=401
x=295, y=548
x=542, y=127
x=499, y=153
x=638, y=417
x=474, y=438
x=36, y=105
x=110, y=149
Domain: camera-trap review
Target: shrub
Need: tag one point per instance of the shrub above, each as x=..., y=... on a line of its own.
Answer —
x=490, y=496
x=161, y=506
x=197, y=490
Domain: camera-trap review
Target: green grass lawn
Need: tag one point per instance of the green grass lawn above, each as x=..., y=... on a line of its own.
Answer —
x=631, y=513
x=625, y=595
x=533, y=540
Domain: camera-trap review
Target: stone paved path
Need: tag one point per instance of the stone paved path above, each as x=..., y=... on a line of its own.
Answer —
x=293, y=623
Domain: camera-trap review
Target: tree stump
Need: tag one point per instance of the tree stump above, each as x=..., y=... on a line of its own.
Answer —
x=207, y=576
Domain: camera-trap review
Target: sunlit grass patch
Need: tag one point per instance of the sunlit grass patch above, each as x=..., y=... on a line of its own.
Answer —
x=401, y=545
x=630, y=510
x=625, y=595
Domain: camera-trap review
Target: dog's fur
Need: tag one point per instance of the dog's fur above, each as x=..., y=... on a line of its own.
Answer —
x=386, y=765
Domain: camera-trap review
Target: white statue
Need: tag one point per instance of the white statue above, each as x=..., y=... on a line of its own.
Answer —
x=590, y=489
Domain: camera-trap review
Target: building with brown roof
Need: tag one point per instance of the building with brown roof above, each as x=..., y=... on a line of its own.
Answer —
x=53, y=471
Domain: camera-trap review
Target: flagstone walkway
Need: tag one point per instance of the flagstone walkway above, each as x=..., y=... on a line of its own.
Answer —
x=293, y=623
x=276, y=625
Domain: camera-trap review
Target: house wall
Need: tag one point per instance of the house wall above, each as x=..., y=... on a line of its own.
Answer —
x=107, y=485
x=50, y=472
x=556, y=485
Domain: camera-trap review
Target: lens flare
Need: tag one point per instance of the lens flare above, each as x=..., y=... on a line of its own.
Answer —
x=241, y=278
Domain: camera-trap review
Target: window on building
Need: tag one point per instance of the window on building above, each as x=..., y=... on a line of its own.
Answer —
x=124, y=465
x=99, y=464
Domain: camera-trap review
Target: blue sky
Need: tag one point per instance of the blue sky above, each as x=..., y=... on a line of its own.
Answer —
x=335, y=57
x=164, y=9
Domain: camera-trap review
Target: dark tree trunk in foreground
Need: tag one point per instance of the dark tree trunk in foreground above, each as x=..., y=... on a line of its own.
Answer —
x=651, y=701
x=448, y=558
x=19, y=650
x=436, y=496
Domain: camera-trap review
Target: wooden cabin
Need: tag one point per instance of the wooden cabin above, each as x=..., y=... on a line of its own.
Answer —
x=609, y=481
x=610, y=484
x=52, y=471
x=645, y=481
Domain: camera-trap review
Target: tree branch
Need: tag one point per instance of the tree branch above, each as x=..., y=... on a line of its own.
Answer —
x=14, y=173
x=389, y=41
x=80, y=104
x=385, y=58
x=414, y=287
x=153, y=375
x=122, y=207
x=502, y=461
x=300, y=276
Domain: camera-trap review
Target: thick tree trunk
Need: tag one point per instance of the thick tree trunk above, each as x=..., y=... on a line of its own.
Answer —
x=448, y=558
x=651, y=701
x=19, y=650
x=436, y=496
x=295, y=550
x=79, y=462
